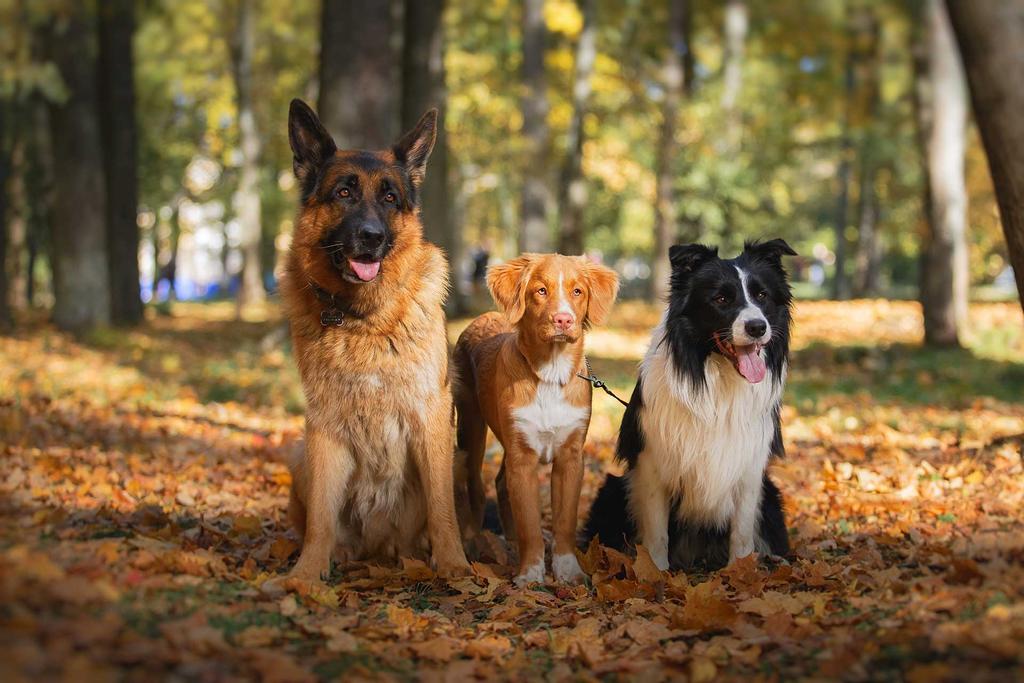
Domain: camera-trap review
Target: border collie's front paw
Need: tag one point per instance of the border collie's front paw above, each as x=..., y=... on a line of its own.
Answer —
x=660, y=559
x=739, y=550
x=567, y=569
x=532, y=574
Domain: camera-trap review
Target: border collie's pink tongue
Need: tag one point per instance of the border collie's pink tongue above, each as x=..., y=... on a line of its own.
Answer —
x=364, y=271
x=750, y=364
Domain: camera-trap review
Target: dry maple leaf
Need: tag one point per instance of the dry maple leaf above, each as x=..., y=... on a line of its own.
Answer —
x=440, y=649
x=488, y=647
x=706, y=608
x=644, y=567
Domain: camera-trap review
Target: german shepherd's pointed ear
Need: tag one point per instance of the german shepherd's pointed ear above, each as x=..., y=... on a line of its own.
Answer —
x=311, y=145
x=604, y=287
x=507, y=283
x=413, y=149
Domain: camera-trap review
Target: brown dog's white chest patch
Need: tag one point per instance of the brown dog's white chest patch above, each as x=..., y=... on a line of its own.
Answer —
x=548, y=420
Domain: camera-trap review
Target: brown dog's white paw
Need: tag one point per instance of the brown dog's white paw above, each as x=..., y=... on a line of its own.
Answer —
x=566, y=569
x=532, y=574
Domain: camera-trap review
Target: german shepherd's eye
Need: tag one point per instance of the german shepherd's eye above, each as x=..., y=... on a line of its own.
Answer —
x=344, y=193
x=761, y=296
x=390, y=197
x=543, y=291
x=577, y=292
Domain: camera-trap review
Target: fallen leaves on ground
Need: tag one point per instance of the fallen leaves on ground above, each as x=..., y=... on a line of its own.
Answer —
x=140, y=519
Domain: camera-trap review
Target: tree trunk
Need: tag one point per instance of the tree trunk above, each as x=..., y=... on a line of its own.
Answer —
x=868, y=243
x=423, y=87
x=535, y=232
x=38, y=185
x=942, y=121
x=736, y=26
x=18, y=211
x=359, y=70
x=841, y=281
x=117, y=117
x=247, y=197
x=664, y=201
x=572, y=186
x=80, y=275
x=5, y=166
x=990, y=33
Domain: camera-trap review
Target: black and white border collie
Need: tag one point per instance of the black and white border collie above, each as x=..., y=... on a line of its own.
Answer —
x=703, y=420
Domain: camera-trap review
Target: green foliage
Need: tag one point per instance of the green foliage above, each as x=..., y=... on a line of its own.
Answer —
x=779, y=180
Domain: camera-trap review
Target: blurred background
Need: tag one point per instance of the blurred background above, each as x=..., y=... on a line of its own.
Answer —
x=145, y=158
x=149, y=398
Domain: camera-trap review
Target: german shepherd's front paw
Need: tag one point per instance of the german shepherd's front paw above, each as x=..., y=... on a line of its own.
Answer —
x=453, y=569
x=279, y=585
x=315, y=571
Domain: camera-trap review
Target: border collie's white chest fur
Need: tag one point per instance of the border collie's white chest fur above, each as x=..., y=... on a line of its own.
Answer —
x=704, y=440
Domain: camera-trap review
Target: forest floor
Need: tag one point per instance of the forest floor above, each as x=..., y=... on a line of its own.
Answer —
x=143, y=495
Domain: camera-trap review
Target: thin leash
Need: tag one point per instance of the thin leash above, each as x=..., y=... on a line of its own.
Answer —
x=597, y=383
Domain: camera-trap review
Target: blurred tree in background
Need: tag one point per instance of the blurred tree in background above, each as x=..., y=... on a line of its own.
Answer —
x=116, y=73
x=614, y=127
x=990, y=34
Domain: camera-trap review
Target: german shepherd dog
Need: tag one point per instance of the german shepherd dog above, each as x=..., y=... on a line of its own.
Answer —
x=703, y=421
x=363, y=293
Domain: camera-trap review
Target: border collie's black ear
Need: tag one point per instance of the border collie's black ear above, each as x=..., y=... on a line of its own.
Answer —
x=686, y=257
x=415, y=147
x=311, y=145
x=771, y=251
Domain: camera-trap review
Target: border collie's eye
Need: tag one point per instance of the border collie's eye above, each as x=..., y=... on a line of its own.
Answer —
x=543, y=291
x=577, y=292
x=344, y=193
x=762, y=295
x=390, y=198
x=721, y=299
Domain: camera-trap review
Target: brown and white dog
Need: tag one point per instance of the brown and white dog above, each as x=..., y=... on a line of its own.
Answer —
x=363, y=292
x=518, y=376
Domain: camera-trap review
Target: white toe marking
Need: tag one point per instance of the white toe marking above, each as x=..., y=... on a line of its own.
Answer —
x=566, y=569
x=533, y=574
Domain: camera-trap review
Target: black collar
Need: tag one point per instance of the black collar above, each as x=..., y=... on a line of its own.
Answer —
x=335, y=312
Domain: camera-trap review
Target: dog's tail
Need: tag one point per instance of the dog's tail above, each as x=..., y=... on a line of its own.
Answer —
x=609, y=517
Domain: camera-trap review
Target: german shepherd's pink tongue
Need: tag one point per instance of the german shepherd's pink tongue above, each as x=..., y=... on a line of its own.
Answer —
x=364, y=271
x=750, y=364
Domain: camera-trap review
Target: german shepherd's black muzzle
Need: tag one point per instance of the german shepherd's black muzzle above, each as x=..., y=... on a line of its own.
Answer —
x=358, y=245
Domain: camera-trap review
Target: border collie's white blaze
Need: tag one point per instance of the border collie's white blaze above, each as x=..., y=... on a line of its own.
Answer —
x=704, y=417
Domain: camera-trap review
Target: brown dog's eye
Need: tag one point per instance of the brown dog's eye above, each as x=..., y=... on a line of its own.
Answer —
x=543, y=291
x=762, y=295
x=390, y=198
x=344, y=193
x=577, y=292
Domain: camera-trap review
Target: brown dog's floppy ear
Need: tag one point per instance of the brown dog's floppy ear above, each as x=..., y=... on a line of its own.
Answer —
x=311, y=145
x=507, y=283
x=415, y=146
x=604, y=287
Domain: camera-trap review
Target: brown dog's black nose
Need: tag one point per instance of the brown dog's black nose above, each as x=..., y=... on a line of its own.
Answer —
x=755, y=328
